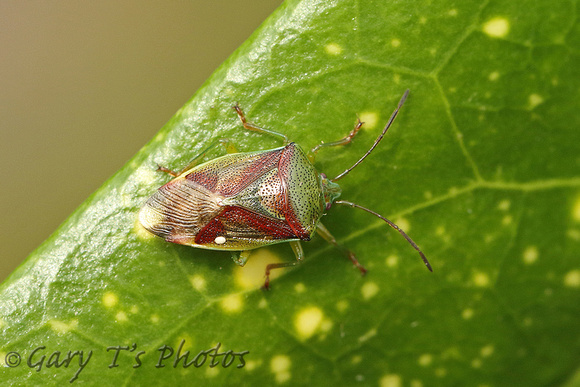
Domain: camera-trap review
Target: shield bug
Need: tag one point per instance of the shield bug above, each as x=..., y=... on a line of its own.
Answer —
x=242, y=201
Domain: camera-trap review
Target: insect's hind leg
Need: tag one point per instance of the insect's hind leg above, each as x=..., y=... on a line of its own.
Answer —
x=297, y=248
x=324, y=233
x=343, y=141
x=250, y=126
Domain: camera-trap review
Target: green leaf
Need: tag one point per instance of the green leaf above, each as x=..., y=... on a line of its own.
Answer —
x=481, y=168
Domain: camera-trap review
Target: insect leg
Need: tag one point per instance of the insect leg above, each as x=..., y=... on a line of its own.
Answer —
x=241, y=257
x=250, y=126
x=324, y=233
x=343, y=141
x=297, y=248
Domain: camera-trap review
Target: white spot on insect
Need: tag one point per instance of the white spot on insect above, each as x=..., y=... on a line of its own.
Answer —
x=395, y=43
x=154, y=318
x=370, y=334
x=251, y=276
x=342, y=305
x=62, y=327
x=530, y=255
x=390, y=380
x=480, y=279
x=487, y=351
x=307, y=321
x=425, y=359
x=452, y=12
x=232, y=303
x=534, y=100
x=299, y=287
x=198, y=282
x=504, y=205
x=507, y=220
x=498, y=27
x=333, y=49
x=572, y=279
x=110, y=299
x=280, y=367
x=467, y=314
x=121, y=316
x=370, y=119
x=220, y=240
x=576, y=210
x=493, y=76
x=369, y=290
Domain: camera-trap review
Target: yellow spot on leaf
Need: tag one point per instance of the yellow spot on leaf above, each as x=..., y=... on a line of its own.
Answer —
x=416, y=383
x=370, y=119
x=307, y=321
x=476, y=363
x=232, y=303
x=369, y=290
x=154, y=318
x=452, y=12
x=504, y=205
x=487, y=351
x=121, y=316
x=280, y=367
x=403, y=224
x=530, y=255
x=572, y=279
x=497, y=27
x=480, y=279
x=390, y=380
x=110, y=299
x=299, y=287
x=395, y=42
x=198, y=282
x=251, y=276
x=425, y=359
x=534, y=100
x=356, y=359
x=134, y=309
x=494, y=76
x=467, y=313
x=61, y=327
x=392, y=261
x=576, y=210
x=212, y=372
x=333, y=49
x=342, y=305
x=507, y=220
x=252, y=364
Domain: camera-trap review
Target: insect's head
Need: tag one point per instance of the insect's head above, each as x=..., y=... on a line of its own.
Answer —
x=330, y=190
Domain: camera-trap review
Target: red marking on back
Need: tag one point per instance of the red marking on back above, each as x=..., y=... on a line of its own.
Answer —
x=237, y=222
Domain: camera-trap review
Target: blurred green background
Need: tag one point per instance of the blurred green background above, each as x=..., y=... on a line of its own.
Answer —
x=83, y=85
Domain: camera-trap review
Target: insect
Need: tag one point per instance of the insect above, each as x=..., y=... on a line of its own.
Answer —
x=243, y=201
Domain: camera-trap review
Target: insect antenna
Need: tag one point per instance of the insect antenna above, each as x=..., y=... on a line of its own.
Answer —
x=393, y=225
x=393, y=116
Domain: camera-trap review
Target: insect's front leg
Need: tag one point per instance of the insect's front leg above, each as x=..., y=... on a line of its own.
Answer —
x=324, y=233
x=343, y=141
x=255, y=128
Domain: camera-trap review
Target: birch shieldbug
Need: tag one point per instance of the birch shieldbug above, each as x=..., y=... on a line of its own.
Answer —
x=242, y=201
